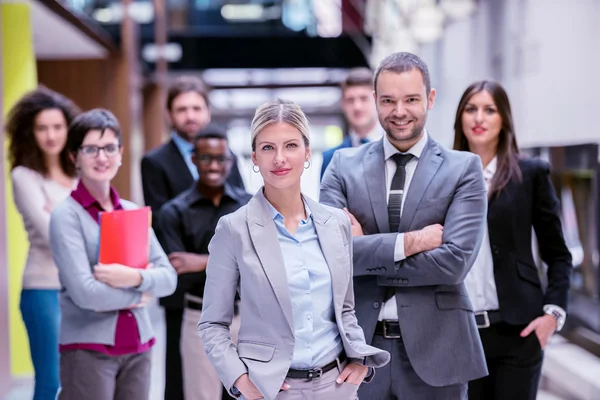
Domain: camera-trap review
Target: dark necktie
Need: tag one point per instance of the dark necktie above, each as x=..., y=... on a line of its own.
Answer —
x=395, y=200
x=363, y=141
x=397, y=190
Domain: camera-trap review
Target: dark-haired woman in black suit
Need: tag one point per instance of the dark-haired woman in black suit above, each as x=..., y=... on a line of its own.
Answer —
x=516, y=317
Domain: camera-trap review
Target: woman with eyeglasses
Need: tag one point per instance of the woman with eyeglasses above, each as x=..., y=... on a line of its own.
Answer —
x=42, y=176
x=105, y=333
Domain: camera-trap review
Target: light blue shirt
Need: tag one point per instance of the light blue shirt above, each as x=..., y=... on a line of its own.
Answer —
x=186, y=148
x=318, y=340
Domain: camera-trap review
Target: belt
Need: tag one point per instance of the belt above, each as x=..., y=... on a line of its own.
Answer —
x=197, y=305
x=485, y=319
x=389, y=329
x=315, y=373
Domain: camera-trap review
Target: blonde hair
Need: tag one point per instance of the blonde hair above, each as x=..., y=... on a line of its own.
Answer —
x=280, y=110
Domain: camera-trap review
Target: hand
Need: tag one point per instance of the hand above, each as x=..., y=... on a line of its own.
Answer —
x=117, y=275
x=249, y=390
x=185, y=263
x=543, y=327
x=353, y=373
x=145, y=299
x=356, y=228
x=426, y=239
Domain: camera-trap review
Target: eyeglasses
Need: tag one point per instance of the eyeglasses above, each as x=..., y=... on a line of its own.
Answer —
x=91, y=150
x=205, y=159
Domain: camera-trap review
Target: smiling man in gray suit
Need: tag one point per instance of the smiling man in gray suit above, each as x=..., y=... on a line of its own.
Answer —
x=418, y=212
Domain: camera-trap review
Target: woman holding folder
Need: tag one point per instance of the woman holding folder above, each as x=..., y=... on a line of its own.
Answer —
x=290, y=258
x=105, y=333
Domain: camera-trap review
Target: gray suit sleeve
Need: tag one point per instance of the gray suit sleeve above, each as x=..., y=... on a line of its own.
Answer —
x=70, y=256
x=373, y=249
x=463, y=231
x=222, y=278
x=161, y=280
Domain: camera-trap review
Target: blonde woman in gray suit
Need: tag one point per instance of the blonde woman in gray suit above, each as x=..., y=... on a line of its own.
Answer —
x=290, y=258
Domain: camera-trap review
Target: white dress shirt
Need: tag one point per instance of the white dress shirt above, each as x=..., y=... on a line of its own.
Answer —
x=480, y=281
x=390, y=308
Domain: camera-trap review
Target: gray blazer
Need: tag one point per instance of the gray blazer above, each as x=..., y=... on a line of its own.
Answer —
x=89, y=308
x=434, y=310
x=245, y=256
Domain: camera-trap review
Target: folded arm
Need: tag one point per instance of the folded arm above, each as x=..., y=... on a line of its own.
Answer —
x=70, y=256
x=449, y=263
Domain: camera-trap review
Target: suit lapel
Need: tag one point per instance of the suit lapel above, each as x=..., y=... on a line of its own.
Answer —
x=427, y=167
x=178, y=163
x=263, y=234
x=374, y=171
x=331, y=241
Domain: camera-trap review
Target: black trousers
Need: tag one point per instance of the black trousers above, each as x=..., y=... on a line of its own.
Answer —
x=514, y=364
x=173, y=370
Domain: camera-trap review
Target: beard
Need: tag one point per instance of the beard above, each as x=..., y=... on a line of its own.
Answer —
x=403, y=137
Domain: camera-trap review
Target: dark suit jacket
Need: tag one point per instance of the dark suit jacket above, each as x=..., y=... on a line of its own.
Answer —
x=511, y=215
x=328, y=154
x=164, y=176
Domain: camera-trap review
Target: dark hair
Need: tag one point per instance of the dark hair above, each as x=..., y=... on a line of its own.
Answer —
x=211, y=131
x=23, y=149
x=361, y=76
x=185, y=84
x=404, y=62
x=508, y=150
x=96, y=119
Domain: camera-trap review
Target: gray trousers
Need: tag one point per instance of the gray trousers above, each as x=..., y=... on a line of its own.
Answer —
x=399, y=381
x=200, y=380
x=324, y=388
x=89, y=375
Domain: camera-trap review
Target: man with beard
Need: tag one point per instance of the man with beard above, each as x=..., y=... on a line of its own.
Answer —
x=408, y=268
x=187, y=225
x=359, y=110
x=167, y=171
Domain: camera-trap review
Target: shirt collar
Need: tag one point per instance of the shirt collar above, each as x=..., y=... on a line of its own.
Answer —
x=490, y=169
x=389, y=150
x=374, y=134
x=277, y=215
x=183, y=145
x=83, y=196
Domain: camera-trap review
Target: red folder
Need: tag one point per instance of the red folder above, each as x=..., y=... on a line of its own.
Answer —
x=125, y=237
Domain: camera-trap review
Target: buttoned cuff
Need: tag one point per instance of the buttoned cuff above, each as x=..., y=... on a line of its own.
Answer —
x=399, y=248
x=558, y=313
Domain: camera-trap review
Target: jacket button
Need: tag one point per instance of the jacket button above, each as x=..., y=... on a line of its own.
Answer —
x=383, y=269
x=390, y=280
x=396, y=281
x=405, y=281
x=376, y=304
x=495, y=250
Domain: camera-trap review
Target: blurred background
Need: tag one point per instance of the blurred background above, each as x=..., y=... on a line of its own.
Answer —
x=121, y=55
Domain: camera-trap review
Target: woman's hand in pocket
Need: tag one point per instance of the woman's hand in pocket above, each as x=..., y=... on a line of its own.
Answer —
x=353, y=373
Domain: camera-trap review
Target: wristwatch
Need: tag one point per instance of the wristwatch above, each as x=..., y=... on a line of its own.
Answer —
x=557, y=313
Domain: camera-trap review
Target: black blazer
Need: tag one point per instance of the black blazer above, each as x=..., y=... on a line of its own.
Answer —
x=164, y=176
x=511, y=215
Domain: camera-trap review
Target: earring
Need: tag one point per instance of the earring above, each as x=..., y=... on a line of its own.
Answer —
x=307, y=166
x=120, y=163
x=256, y=171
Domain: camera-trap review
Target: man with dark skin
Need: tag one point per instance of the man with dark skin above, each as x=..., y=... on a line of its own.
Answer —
x=188, y=223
